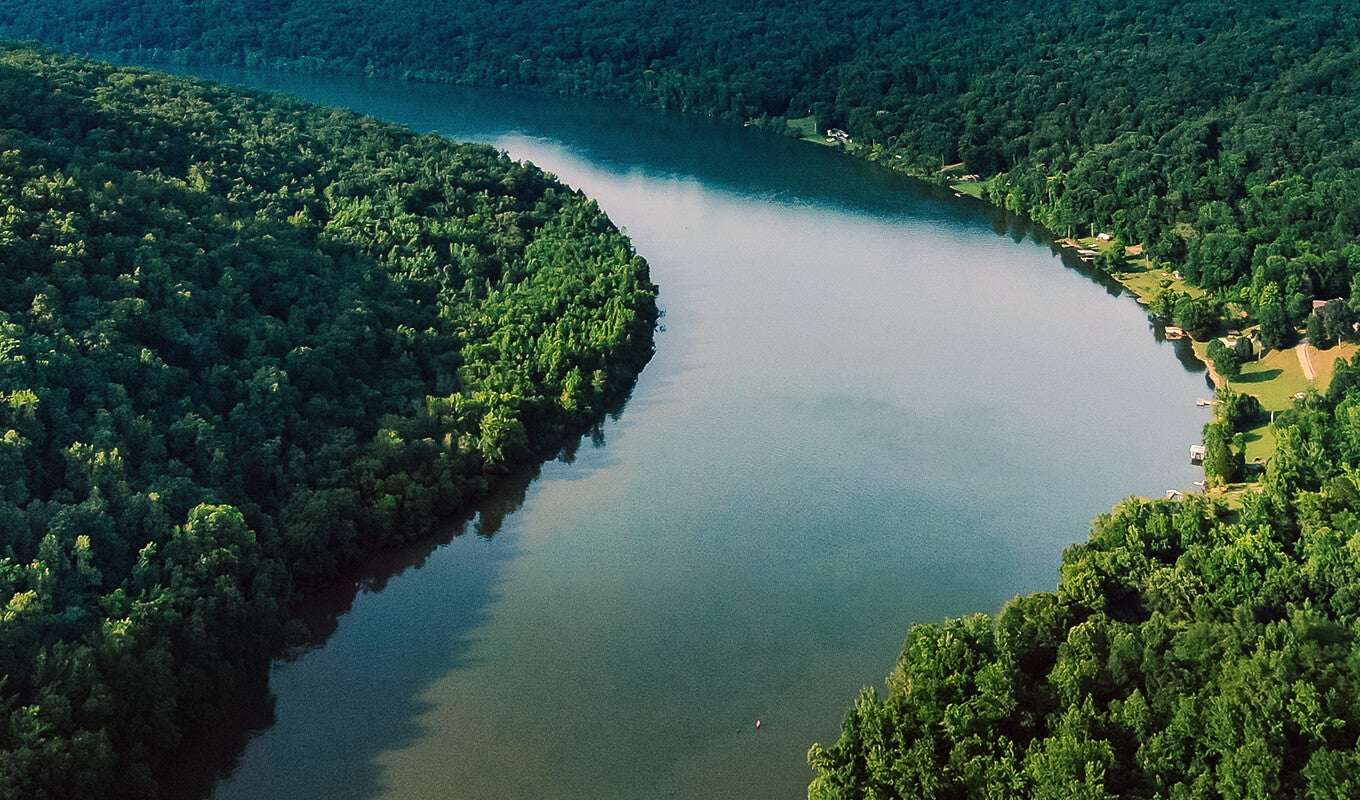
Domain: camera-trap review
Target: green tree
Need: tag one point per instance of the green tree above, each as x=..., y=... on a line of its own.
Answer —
x=1199, y=317
x=1226, y=360
x=1319, y=335
x=1277, y=332
x=1222, y=463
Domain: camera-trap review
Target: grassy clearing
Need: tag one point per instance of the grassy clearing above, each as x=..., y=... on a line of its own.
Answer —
x=1276, y=378
x=1145, y=281
x=1324, y=362
x=1232, y=494
x=805, y=127
x=974, y=188
x=1143, y=276
x=1260, y=443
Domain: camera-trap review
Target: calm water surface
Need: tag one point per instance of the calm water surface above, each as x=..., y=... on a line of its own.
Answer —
x=873, y=405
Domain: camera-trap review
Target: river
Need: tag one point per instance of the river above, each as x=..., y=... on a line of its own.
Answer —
x=873, y=404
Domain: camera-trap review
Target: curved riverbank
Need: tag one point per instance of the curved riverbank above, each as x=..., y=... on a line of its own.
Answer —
x=873, y=405
x=247, y=341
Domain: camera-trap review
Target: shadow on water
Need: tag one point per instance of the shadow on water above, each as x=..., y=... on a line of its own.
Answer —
x=390, y=708
x=1183, y=348
x=1185, y=353
x=209, y=756
x=1020, y=229
x=634, y=140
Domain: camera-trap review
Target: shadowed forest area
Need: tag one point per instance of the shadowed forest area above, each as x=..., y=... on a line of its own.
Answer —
x=245, y=340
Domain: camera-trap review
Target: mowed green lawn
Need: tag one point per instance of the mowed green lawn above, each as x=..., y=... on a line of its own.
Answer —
x=1275, y=379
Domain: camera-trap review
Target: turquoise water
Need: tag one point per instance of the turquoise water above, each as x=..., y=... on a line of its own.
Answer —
x=873, y=404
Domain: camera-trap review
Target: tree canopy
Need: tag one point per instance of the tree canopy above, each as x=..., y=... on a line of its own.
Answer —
x=1223, y=135
x=242, y=340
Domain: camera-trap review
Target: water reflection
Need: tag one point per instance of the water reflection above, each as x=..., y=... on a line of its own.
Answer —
x=214, y=754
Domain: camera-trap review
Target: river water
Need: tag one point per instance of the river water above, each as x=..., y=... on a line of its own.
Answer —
x=873, y=404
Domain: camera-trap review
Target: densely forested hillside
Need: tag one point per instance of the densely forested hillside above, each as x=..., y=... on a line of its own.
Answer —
x=242, y=339
x=1221, y=134
x=1189, y=652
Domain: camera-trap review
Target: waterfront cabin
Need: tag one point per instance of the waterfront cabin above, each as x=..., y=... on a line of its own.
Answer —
x=1197, y=453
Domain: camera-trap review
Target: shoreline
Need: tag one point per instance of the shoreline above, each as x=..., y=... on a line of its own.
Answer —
x=1276, y=377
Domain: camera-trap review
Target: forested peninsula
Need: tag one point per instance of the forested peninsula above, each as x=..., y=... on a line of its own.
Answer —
x=1191, y=650
x=243, y=340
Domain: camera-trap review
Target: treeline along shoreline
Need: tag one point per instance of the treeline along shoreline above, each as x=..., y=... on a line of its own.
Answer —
x=1219, y=135
x=243, y=340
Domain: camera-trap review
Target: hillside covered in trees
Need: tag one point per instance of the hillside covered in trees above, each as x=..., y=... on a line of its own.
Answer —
x=242, y=340
x=1223, y=135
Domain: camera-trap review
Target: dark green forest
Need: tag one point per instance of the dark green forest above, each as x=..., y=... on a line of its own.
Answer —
x=243, y=340
x=1223, y=135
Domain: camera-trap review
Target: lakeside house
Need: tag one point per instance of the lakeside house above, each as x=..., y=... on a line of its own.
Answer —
x=1197, y=453
x=1173, y=333
x=837, y=135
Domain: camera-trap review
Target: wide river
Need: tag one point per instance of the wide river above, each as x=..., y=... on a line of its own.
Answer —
x=873, y=404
